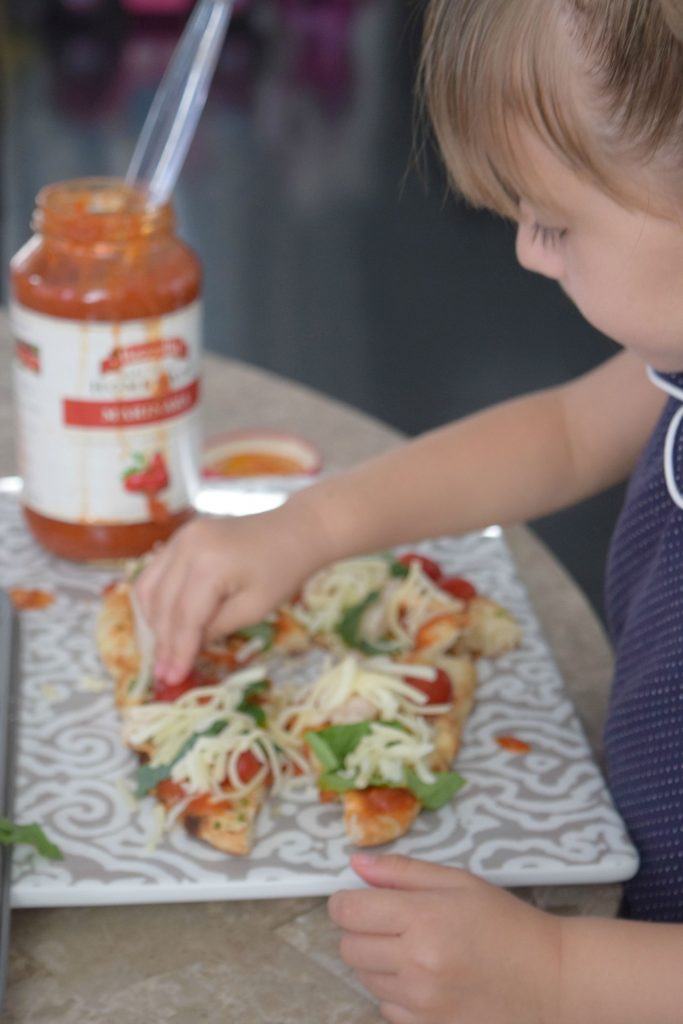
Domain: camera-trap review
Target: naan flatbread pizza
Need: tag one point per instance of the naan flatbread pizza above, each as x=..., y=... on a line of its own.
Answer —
x=378, y=728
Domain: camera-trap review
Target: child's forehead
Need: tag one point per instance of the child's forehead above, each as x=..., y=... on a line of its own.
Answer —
x=543, y=178
x=554, y=187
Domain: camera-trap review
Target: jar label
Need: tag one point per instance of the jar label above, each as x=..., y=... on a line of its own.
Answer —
x=108, y=415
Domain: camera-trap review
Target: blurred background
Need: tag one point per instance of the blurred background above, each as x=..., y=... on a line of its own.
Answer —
x=332, y=254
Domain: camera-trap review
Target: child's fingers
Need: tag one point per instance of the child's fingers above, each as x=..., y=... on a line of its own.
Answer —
x=393, y=871
x=375, y=912
x=177, y=658
x=181, y=605
x=158, y=584
x=387, y=988
x=148, y=581
x=379, y=954
x=233, y=613
x=181, y=632
x=163, y=613
x=394, y=1014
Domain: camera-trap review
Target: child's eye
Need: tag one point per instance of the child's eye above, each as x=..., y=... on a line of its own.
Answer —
x=548, y=236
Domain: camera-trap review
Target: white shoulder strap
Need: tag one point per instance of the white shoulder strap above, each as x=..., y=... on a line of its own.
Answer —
x=671, y=435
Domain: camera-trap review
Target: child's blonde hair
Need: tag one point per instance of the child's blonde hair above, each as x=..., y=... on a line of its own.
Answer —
x=600, y=82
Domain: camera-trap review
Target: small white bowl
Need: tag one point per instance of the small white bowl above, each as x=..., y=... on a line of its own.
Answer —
x=274, y=453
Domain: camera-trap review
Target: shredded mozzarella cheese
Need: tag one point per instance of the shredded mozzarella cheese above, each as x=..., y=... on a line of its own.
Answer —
x=92, y=684
x=385, y=753
x=125, y=791
x=250, y=648
x=332, y=591
x=158, y=829
x=391, y=697
x=212, y=759
x=404, y=604
x=414, y=602
x=144, y=639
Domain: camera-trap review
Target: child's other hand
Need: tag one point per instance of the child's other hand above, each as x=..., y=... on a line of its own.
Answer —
x=436, y=945
x=218, y=575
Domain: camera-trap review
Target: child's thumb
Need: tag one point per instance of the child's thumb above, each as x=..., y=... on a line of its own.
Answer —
x=393, y=871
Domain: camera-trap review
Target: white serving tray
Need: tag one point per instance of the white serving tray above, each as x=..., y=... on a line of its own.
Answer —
x=544, y=817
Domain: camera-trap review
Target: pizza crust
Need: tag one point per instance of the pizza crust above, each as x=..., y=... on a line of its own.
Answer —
x=491, y=629
x=116, y=643
x=227, y=824
x=366, y=825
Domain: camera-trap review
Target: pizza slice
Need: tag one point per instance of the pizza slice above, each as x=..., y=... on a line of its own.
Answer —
x=388, y=605
x=385, y=774
x=381, y=736
x=209, y=759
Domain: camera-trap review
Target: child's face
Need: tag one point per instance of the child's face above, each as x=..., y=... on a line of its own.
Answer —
x=622, y=268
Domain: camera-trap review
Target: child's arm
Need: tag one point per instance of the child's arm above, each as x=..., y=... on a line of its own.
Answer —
x=513, y=462
x=510, y=463
x=436, y=945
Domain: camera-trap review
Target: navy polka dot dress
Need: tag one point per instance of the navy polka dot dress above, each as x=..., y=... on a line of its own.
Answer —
x=644, y=732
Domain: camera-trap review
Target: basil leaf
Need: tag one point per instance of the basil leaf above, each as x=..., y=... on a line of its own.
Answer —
x=254, y=710
x=341, y=783
x=349, y=627
x=263, y=631
x=149, y=776
x=395, y=567
x=333, y=745
x=336, y=783
x=399, y=569
x=31, y=835
x=433, y=795
x=248, y=704
x=254, y=689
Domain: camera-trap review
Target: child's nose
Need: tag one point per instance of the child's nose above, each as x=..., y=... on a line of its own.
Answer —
x=533, y=254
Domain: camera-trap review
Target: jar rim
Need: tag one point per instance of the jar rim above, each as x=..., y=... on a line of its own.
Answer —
x=98, y=209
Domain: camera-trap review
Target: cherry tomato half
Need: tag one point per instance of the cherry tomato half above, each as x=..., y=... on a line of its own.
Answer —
x=439, y=691
x=429, y=568
x=248, y=765
x=164, y=691
x=456, y=586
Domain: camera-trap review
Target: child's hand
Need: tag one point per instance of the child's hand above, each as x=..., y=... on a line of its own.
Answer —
x=436, y=945
x=215, y=576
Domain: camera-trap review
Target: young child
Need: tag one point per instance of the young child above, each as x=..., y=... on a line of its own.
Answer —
x=566, y=115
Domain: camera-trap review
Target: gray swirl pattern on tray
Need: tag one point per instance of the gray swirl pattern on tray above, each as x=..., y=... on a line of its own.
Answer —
x=541, y=818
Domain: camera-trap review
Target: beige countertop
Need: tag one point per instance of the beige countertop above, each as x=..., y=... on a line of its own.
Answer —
x=264, y=961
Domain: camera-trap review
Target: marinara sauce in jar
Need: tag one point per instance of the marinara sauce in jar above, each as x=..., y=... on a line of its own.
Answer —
x=105, y=314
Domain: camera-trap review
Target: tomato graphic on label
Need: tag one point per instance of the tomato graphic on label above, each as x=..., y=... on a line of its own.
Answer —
x=148, y=476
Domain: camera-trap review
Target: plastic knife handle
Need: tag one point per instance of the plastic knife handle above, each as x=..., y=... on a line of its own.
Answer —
x=9, y=674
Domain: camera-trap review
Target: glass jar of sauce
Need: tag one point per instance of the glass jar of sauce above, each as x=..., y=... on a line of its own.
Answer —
x=106, y=319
